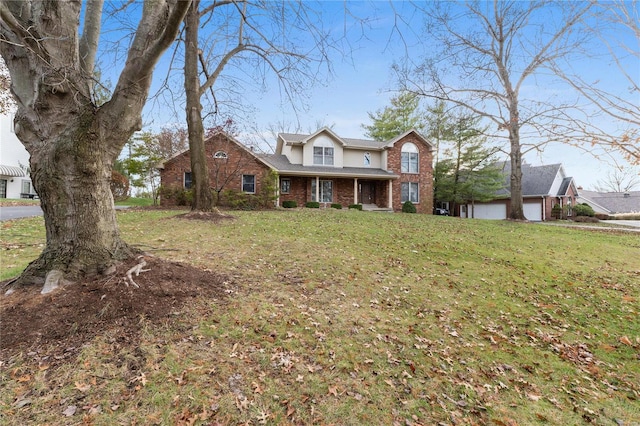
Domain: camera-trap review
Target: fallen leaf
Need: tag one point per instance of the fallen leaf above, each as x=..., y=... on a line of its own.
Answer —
x=70, y=411
x=82, y=387
x=625, y=340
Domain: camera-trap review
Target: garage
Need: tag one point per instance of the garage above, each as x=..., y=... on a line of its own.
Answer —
x=487, y=211
x=533, y=211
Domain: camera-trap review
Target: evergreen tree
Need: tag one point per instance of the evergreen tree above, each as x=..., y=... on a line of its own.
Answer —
x=467, y=174
x=402, y=115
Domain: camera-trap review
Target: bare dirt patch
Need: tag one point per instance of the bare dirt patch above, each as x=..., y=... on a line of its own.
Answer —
x=56, y=325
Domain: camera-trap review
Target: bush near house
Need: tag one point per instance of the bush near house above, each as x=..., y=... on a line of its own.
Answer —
x=584, y=209
x=182, y=197
x=291, y=204
x=355, y=207
x=336, y=206
x=408, y=207
x=312, y=205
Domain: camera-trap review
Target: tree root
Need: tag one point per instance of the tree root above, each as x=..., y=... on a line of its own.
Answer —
x=137, y=269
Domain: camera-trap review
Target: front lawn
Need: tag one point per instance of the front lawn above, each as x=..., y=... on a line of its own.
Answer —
x=347, y=317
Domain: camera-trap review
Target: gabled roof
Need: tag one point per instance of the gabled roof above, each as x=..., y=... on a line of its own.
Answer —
x=407, y=133
x=353, y=143
x=612, y=202
x=537, y=180
x=213, y=135
x=12, y=171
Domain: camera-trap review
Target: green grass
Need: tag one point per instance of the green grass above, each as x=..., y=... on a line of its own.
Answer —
x=135, y=202
x=345, y=317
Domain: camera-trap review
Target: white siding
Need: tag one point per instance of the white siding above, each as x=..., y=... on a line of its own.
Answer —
x=338, y=158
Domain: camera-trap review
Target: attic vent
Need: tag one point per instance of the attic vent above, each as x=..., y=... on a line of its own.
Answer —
x=626, y=195
x=220, y=154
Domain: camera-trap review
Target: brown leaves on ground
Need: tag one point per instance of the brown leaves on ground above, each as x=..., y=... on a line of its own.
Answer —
x=56, y=325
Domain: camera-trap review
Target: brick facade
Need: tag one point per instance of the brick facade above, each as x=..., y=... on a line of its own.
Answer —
x=227, y=173
x=224, y=173
x=424, y=177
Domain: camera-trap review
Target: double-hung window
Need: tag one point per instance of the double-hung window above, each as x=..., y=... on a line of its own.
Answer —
x=409, y=158
x=285, y=185
x=249, y=184
x=410, y=192
x=323, y=153
x=325, y=193
x=187, y=180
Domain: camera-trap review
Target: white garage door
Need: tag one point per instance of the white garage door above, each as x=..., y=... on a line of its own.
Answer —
x=533, y=211
x=488, y=211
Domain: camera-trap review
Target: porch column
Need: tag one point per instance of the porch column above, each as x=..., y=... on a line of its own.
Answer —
x=390, y=201
x=318, y=188
x=355, y=190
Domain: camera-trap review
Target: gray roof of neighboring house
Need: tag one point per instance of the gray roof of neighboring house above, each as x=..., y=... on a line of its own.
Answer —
x=612, y=202
x=536, y=180
x=282, y=164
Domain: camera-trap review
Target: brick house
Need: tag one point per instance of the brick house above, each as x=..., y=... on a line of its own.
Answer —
x=322, y=167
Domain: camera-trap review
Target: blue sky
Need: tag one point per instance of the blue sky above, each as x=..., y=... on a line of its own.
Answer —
x=363, y=82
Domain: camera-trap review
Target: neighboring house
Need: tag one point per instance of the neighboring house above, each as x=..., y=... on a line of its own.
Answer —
x=14, y=163
x=321, y=167
x=542, y=188
x=611, y=203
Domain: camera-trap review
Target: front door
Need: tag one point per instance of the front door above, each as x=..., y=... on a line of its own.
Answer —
x=367, y=193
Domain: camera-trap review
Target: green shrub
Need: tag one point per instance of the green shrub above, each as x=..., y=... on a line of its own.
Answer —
x=355, y=207
x=291, y=204
x=336, y=206
x=583, y=209
x=408, y=207
x=239, y=200
x=312, y=205
x=556, y=211
x=181, y=196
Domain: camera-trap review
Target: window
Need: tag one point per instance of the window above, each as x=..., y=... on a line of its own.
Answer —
x=409, y=158
x=249, y=184
x=367, y=159
x=323, y=153
x=220, y=154
x=187, y=180
x=26, y=187
x=285, y=185
x=410, y=192
x=326, y=191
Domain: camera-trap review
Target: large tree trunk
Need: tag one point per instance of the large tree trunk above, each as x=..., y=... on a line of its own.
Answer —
x=516, y=203
x=72, y=179
x=73, y=142
x=200, y=185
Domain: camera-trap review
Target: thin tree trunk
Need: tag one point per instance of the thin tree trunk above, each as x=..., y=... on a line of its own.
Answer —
x=516, y=203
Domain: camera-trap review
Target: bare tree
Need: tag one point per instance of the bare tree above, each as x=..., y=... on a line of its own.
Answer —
x=264, y=37
x=616, y=28
x=487, y=52
x=620, y=179
x=73, y=141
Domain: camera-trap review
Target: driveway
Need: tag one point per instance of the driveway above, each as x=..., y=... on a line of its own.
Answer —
x=8, y=213
x=634, y=223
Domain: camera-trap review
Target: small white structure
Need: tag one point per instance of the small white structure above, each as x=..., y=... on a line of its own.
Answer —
x=14, y=163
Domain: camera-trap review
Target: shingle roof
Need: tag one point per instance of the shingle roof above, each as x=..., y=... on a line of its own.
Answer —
x=282, y=164
x=536, y=180
x=614, y=202
x=11, y=171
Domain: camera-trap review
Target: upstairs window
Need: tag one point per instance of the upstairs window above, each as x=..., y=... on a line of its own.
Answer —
x=367, y=159
x=323, y=153
x=220, y=154
x=409, y=158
